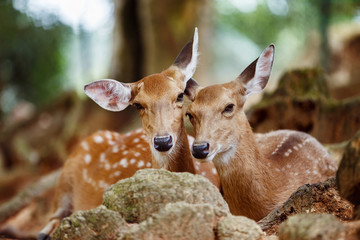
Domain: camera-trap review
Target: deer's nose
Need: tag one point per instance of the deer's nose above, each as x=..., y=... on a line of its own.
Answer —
x=200, y=150
x=163, y=143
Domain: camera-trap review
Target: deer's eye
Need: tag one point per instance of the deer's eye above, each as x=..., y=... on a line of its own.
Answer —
x=229, y=108
x=138, y=106
x=180, y=97
x=189, y=116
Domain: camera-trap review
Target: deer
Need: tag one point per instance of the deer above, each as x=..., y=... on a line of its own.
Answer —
x=258, y=172
x=105, y=157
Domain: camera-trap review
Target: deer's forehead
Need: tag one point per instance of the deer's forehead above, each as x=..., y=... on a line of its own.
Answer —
x=213, y=95
x=159, y=86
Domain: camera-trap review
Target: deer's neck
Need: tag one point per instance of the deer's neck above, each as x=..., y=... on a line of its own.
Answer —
x=179, y=159
x=245, y=178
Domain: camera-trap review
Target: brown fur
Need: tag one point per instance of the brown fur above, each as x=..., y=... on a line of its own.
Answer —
x=99, y=161
x=257, y=172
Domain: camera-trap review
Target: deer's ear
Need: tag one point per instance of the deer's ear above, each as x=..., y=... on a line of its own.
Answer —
x=109, y=94
x=191, y=89
x=186, y=61
x=255, y=77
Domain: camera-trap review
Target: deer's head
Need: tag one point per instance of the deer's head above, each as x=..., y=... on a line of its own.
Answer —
x=217, y=111
x=158, y=97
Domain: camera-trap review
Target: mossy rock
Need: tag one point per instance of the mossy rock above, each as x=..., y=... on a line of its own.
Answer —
x=312, y=227
x=179, y=221
x=307, y=82
x=99, y=223
x=348, y=175
x=149, y=190
x=238, y=228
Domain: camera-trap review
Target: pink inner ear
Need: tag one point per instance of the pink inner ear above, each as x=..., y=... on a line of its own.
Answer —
x=109, y=94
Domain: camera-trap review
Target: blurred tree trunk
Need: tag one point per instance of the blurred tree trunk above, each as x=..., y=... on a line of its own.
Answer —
x=149, y=34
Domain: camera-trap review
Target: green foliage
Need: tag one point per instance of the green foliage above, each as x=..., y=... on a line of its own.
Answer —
x=263, y=26
x=31, y=55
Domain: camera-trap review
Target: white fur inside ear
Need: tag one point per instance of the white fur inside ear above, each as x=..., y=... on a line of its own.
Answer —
x=262, y=72
x=109, y=94
x=191, y=67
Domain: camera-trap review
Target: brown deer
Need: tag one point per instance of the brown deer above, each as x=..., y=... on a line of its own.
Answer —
x=257, y=172
x=106, y=157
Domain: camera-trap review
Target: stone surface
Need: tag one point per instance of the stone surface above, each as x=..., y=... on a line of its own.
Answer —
x=99, y=223
x=149, y=190
x=348, y=174
x=238, y=228
x=312, y=227
x=309, y=198
x=179, y=221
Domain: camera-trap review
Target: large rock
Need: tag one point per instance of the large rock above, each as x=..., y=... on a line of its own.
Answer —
x=99, y=223
x=238, y=228
x=179, y=221
x=309, y=198
x=348, y=174
x=149, y=190
x=312, y=227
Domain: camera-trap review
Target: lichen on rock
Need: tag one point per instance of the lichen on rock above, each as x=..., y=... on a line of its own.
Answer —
x=99, y=223
x=179, y=220
x=149, y=190
x=238, y=228
x=312, y=226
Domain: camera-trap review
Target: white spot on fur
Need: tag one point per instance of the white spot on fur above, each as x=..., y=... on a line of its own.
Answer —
x=107, y=166
x=268, y=164
x=87, y=158
x=132, y=161
x=203, y=173
x=115, y=149
x=288, y=166
x=108, y=135
x=148, y=164
x=136, y=140
x=144, y=149
x=139, y=130
x=296, y=148
x=276, y=169
x=125, y=152
x=280, y=144
x=85, y=145
x=117, y=173
x=102, y=157
x=213, y=170
x=110, y=142
x=103, y=184
x=141, y=163
x=307, y=172
x=137, y=154
x=124, y=163
x=98, y=139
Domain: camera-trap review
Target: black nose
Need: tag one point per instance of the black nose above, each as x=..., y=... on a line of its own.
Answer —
x=163, y=143
x=200, y=150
